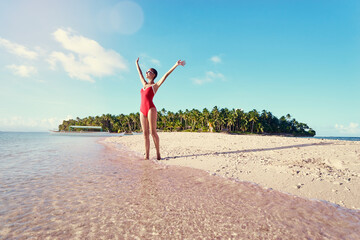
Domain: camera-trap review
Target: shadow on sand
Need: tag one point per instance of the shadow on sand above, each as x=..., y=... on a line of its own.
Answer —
x=251, y=150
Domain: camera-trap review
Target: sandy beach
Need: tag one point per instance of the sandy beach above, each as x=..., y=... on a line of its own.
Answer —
x=103, y=190
x=312, y=168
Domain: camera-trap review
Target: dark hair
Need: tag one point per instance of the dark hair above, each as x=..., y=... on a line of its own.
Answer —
x=154, y=71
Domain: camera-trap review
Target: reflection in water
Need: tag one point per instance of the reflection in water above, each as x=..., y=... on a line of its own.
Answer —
x=104, y=194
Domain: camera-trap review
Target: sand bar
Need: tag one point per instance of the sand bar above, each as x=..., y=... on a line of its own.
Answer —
x=311, y=168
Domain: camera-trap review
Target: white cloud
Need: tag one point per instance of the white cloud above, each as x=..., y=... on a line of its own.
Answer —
x=215, y=59
x=17, y=123
x=22, y=70
x=18, y=49
x=352, y=128
x=50, y=122
x=209, y=77
x=68, y=117
x=87, y=58
x=155, y=62
x=147, y=61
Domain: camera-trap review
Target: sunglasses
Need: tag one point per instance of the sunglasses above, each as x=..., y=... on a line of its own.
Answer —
x=150, y=72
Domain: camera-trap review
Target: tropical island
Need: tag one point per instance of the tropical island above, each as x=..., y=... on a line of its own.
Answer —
x=216, y=120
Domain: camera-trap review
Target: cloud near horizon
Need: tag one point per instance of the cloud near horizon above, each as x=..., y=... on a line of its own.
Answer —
x=209, y=77
x=86, y=58
x=352, y=128
x=18, y=123
x=18, y=49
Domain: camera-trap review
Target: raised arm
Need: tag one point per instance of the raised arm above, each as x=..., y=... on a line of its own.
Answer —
x=143, y=81
x=158, y=84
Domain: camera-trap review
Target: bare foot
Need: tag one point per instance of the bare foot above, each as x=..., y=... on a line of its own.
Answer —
x=146, y=157
x=158, y=157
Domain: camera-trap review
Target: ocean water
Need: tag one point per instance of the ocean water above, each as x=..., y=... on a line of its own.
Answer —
x=60, y=187
x=340, y=138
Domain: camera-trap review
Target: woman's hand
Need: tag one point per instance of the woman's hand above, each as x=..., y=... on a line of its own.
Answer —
x=182, y=63
x=137, y=61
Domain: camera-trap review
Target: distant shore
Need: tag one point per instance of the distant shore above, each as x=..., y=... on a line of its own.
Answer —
x=307, y=167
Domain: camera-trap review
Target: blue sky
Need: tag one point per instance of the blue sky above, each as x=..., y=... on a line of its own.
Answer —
x=68, y=59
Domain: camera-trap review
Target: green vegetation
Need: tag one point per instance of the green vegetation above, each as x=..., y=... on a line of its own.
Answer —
x=235, y=121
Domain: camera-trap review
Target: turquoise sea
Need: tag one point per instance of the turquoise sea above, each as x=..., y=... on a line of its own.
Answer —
x=340, y=138
x=61, y=187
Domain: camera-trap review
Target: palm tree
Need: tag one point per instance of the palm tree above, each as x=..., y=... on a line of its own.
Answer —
x=194, y=115
x=253, y=117
x=133, y=121
x=181, y=117
x=288, y=116
x=163, y=118
x=259, y=128
x=283, y=125
x=230, y=122
x=222, y=122
x=163, y=111
x=215, y=116
x=178, y=125
x=186, y=117
x=128, y=123
x=236, y=115
x=234, y=120
x=206, y=115
x=170, y=116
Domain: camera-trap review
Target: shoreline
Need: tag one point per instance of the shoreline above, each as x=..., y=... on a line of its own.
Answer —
x=313, y=168
x=100, y=189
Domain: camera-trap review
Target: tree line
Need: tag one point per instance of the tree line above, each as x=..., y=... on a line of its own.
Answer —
x=223, y=119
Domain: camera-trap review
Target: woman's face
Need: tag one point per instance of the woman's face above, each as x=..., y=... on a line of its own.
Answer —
x=150, y=74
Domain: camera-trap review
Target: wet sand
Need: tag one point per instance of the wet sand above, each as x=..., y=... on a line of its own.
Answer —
x=312, y=168
x=112, y=193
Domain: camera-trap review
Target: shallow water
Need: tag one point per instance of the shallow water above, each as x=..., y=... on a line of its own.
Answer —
x=354, y=139
x=62, y=188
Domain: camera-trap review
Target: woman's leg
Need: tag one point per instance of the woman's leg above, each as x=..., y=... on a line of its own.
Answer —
x=152, y=117
x=145, y=127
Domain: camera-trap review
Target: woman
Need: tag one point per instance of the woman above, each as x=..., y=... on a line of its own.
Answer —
x=148, y=113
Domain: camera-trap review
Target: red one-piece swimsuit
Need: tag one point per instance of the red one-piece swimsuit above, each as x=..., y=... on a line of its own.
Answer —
x=147, y=96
